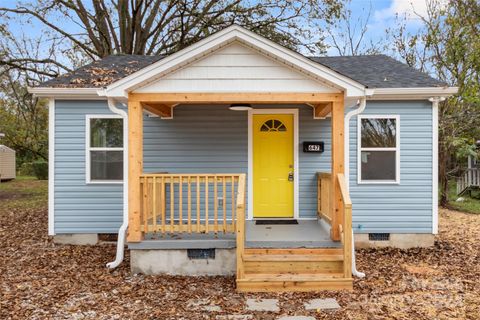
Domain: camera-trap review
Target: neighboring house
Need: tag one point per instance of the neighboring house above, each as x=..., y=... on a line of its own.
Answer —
x=7, y=163
x=236, y=154
x=470, y=180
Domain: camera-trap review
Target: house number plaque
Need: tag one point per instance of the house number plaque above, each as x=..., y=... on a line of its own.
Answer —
x=313, y=146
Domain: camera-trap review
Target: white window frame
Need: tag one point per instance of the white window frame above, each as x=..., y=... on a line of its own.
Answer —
x=88, y=148
x=360, y=149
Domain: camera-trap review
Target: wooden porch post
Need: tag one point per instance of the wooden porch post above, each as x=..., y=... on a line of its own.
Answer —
x=338, y=154
x=135, y=169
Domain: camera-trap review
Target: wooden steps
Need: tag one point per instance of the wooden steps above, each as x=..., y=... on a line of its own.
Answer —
x=265, y=270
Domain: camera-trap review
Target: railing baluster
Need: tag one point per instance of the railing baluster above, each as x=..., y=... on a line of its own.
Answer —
x=189, y=205
x=206, y=204
x=198, y=204
x=172, y=205
x=180, y=204
x=215, y=205
x=154, y=204
x=224, y=204
x=233, y=203
x=162, y=203
x=145, y=206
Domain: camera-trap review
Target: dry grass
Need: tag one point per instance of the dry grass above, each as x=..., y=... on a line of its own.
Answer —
x=40, y=280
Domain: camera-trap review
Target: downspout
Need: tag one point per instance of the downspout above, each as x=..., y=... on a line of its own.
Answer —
x=123, y=228
x=361, y=107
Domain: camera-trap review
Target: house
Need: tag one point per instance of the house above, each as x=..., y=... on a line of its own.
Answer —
x=237, y=155
x=7, y=163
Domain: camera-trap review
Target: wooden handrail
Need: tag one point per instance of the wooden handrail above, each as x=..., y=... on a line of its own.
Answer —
x=240, y=226
x=178, y=203
x=346, y=226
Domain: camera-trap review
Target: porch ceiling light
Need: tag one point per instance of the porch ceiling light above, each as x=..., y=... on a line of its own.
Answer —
x=240, y=107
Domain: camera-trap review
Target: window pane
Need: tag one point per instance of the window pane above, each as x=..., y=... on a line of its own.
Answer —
x=378, y=165
x=379, y=133
x=106, y=165
x=106, y=133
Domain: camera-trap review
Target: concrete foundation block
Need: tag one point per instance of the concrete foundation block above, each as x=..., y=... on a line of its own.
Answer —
x=76, y=239
x=397, y=240
x=176, y=262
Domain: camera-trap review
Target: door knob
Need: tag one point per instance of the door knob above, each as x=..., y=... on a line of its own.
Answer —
x=290, y=176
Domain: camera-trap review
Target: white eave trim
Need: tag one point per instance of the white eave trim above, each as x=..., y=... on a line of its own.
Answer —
x=223, y=38
x=412, y=93
x=65, y=93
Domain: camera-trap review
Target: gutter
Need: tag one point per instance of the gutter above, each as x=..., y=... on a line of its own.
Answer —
x=122, y=231
x=361, y=107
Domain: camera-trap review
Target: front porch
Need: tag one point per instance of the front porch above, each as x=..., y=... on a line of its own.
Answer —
x=209, y=210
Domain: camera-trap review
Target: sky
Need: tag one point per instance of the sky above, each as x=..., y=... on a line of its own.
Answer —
x=383, y=14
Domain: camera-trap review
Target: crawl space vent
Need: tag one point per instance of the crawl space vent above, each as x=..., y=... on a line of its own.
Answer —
x=201, y=253
x=379, y=236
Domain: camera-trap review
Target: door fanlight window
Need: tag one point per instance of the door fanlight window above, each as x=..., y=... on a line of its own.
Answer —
x=273, y=125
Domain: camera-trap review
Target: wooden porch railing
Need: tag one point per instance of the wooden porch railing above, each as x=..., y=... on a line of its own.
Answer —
x=186, y=203
x=346, y=226
x=324, y=183
x=241, y=196
x=471, y=178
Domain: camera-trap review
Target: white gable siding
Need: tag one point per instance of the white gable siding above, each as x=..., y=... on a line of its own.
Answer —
x=236, y=68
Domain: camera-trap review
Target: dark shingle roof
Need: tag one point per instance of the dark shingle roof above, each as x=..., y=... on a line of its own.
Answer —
x=102, y=72
x=373, y=71
x=379, y=71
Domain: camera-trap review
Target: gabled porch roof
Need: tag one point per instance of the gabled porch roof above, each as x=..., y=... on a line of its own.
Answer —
x=235, y=33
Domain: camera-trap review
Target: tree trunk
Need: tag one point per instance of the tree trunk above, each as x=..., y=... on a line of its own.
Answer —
x=442, y=174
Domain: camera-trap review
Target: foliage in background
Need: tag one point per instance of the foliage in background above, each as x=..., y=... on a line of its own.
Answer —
x=40, y=169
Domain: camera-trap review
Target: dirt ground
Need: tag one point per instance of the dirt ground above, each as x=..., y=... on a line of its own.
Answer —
x=41, y=280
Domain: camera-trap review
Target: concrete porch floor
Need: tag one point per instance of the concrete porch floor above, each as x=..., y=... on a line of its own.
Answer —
x=305, y=234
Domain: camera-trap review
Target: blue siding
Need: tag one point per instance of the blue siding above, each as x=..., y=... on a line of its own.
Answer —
x=81, y=208
x=406, y=207
x=213, y=139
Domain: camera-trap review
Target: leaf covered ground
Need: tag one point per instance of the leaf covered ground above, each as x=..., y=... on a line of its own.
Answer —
x=41, y=280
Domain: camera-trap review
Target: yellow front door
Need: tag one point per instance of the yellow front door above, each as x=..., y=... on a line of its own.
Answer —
x=273, y=165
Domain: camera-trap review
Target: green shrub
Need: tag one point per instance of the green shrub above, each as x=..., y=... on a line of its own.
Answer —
x=40, y=169
x=26, y=169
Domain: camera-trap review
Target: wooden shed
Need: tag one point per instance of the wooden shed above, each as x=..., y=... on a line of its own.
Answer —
x=7, y=163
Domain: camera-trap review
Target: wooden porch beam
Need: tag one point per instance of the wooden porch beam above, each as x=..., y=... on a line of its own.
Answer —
x=159, y=109
x=135, y=168
x=338, y=157
x=226, y=98
x=322, y=110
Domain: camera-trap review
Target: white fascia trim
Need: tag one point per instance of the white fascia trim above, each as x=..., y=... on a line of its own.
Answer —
x=51, y=167
x=223, y=38
x=412, y=93
x=66, y=93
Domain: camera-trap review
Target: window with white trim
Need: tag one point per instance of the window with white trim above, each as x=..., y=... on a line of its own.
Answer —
x=379, y=149
x=104, y=149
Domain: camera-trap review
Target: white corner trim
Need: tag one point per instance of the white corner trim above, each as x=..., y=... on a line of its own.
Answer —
x=88, y=117
x=412, y=93
x=396, y=149
x=435, y=102
x=294, y=112
x=120, y=88
x=51, y=167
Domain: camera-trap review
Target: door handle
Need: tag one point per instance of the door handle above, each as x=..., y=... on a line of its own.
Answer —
x=290, y=176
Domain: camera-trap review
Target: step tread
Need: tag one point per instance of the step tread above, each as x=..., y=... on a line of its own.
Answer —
x=292, y=257
x=293, y=277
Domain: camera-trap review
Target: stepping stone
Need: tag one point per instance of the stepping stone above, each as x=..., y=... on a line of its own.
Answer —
x=236, y=317
x=296, y=318
x=212, y=308
x=263, y=305
x=322, y=304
